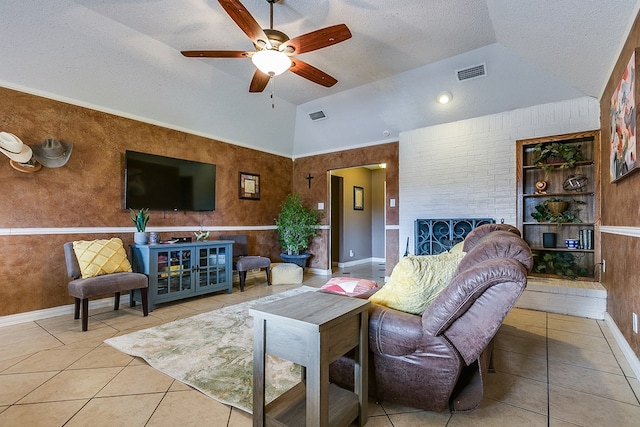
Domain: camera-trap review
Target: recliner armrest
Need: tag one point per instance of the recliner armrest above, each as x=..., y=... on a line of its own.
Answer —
x=393, y=332
x=470, y=310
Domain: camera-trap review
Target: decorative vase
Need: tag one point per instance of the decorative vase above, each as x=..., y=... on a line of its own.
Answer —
x=141, y=237
x=549, y=240
x=300, y=260
x=556, y=208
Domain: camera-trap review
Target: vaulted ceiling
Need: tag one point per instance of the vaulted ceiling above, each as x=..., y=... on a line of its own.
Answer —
x=123, y=56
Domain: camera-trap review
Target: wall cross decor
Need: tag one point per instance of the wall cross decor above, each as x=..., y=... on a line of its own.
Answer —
x=309, y=178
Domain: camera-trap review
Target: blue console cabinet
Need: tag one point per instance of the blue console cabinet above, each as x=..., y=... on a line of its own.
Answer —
x=183, y=270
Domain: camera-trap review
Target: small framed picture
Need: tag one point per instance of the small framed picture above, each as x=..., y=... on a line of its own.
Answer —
x=249, y=186
x=358, y=198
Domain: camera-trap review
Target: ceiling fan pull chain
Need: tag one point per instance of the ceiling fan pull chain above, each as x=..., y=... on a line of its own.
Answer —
x=272, y=92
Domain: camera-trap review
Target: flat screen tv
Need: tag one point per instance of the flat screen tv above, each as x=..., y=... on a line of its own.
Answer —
x=166, y=183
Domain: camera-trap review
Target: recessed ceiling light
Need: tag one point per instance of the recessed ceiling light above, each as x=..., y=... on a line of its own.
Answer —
x=444, y=97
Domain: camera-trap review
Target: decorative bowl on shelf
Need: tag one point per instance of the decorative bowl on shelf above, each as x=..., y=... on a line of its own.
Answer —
x=556, y=208
x=571, y=243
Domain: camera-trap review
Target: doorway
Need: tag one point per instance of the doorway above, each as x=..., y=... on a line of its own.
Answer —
x=357, y=215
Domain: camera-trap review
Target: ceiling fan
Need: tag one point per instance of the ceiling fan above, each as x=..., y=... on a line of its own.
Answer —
x=274, y=49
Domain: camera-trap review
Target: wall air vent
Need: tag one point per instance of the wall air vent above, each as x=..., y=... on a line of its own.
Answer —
x=318, y=115
x=471, y=72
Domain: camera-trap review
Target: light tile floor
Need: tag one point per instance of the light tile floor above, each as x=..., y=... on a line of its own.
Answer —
x=552, y=370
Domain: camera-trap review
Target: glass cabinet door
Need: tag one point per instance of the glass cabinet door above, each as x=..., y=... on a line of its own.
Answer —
x=174, y=271
x=211, y=269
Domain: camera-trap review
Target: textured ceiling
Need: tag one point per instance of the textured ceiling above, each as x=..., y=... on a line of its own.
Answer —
x=124, y=55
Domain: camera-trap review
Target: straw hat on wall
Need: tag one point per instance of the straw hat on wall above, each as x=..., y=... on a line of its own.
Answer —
x=13, y=148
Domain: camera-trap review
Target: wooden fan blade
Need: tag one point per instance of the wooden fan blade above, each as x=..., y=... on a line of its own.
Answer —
x=317, y=39
x=259, y=81
x=245, y=21
x=310, y=72
x=216, y=53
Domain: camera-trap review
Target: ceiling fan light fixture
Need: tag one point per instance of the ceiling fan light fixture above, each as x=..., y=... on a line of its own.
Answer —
x=271, y=62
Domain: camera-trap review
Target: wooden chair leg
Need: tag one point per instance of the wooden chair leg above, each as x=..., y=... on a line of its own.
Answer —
x=144, y=292
x=76, y=311
x=243, y=277
x=85, y=314
x=268, y=276
x=116, y=302
x=132, y=294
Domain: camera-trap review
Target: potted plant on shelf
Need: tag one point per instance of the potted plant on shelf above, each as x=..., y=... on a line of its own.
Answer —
x=297, y=224
x=557, y=211
x=557, y=154
x=140, y=219
x=558, y=263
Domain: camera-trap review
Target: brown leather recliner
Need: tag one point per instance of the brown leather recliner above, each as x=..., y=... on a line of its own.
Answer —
x=439, y=360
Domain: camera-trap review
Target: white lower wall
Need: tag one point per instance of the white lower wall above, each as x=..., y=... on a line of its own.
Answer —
x=467, y=169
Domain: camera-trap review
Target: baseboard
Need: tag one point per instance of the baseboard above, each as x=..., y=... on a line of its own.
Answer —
x=360, y=261
x=626, y=349
x=318, y=271
x=63, y=310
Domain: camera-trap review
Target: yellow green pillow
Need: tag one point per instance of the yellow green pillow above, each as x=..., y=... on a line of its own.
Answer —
x=98, y=257
x=416, y=280
x=457, y=247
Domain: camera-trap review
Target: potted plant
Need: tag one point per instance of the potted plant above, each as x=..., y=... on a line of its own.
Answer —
x=557, y=154
x=140, y=219
x=557, y=210
x=297, y=224
x=559, y=263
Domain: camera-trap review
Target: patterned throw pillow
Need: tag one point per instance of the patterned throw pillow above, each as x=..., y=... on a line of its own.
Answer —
x=98, y=257
x=416, y=280
x=350, y=286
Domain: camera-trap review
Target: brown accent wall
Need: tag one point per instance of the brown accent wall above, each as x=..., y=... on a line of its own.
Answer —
x=88, y=191
x=318, y=166
x=620, y=207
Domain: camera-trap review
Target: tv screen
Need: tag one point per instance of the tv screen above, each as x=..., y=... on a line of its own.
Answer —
x=166, y=183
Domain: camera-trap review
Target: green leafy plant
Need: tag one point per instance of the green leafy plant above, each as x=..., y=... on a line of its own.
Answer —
x=570, y=214
x=140, y=218
x=557, y=154
x=296, y=224
x=201, y=235
x=560, y=263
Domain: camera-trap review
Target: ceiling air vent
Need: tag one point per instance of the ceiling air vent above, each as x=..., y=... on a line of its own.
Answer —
x=318, y=115
x=471, y=72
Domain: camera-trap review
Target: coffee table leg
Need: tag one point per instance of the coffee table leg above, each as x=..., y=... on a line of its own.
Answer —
x=258, y=371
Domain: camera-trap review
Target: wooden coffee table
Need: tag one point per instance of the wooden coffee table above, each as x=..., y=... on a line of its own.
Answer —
x=311, y=329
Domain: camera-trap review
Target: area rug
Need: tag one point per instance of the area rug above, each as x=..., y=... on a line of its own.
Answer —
x=213, y=352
